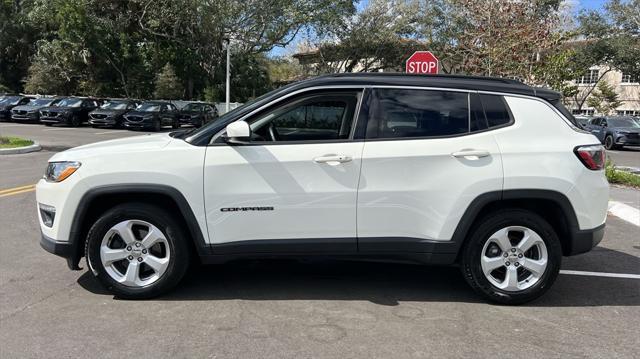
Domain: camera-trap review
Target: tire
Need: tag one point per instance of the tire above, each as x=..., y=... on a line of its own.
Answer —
x=175, y=124
x=609, y=143
x=481, y=247
x=169, y=251
x=75, y=121
x=157, y=126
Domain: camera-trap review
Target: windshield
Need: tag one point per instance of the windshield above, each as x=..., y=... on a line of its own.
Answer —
x=193, y=107
x=10, y=100
x=622, y=122
x=114, y=105
x=41, y=102
x=148, y=107
x=69, y=102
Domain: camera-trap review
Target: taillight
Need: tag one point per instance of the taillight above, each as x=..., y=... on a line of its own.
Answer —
x=592, y=156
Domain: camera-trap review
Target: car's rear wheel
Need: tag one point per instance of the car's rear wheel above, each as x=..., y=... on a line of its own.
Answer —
x=512, y=257
x=609, y=143
x=137, y=251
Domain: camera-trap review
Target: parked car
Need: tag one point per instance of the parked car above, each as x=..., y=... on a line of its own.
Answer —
x=8, y=102
x=152, y=115
x=431, y=169
x=198, y=114
x=583, y=121
x=31, y=111
x=71, y=111
x=616, y=131
x=111, y=113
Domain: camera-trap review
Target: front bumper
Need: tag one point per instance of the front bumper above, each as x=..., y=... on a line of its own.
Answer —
x=62, y=249
x=583, y=241
x=33, y=116
x=61, y=118
x=627, y=140
x=146, y=123
x=107, y=121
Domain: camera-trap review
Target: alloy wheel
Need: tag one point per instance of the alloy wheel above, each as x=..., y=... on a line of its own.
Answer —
x=135, y=253
x=514, y=258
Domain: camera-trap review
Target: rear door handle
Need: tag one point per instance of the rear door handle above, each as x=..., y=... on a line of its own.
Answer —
x=332, y=159
x=471, y=154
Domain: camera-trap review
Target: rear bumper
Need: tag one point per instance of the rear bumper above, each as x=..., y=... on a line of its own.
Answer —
x=583, y=241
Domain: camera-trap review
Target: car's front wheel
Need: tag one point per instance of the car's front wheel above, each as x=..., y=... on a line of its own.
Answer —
x=512, y=257
x=137, y=251
x=609, y=143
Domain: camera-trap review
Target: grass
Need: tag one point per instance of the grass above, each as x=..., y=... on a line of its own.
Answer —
x=13, y=142
x=621, y=177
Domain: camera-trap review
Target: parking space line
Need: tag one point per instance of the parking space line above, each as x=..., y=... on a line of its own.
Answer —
x=625, y=212
x=105, y=133
x=601, y=274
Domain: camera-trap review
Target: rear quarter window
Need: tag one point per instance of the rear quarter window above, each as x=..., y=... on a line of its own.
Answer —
x=496, y=110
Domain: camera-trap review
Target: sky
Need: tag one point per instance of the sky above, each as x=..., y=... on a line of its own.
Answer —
x=578, y=5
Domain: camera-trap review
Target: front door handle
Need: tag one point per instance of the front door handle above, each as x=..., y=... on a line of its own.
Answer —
x=471, y=154
x=332, y=159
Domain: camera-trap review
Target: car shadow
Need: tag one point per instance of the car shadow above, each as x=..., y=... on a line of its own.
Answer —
x=381, y=283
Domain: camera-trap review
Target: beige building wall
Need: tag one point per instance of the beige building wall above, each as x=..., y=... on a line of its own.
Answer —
x=628, y=90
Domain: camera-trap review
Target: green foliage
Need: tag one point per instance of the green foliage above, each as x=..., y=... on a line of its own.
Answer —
x=13, y=142
x=621, y=177
x=605, y=99
x=168, y=86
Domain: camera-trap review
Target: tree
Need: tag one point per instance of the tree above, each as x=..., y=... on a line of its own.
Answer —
x=605, y=99
x=17, y=41
x=377, y=38
x=611, y=40
x=502, y=38
x=168, y=85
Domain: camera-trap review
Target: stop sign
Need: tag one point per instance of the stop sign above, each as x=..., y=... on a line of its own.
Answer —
x=422, y=62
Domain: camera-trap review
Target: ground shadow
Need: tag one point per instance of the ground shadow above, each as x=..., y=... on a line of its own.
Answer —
x=381, y=283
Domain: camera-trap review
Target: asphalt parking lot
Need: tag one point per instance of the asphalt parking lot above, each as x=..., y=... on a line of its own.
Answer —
x=314, y=309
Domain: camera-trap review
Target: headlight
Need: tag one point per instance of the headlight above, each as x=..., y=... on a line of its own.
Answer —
x=59, y=171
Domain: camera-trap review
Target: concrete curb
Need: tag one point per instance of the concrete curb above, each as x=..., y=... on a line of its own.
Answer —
x=26, y=149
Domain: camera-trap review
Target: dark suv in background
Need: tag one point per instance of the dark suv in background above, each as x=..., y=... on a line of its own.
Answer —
x=7, y=103
x=152, y=115
x=198, y=114
x=72, y=111
x=31, y=111
x=615, y=131
x=111, y=113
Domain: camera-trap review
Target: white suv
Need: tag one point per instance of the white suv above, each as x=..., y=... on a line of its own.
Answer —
x=489, y=174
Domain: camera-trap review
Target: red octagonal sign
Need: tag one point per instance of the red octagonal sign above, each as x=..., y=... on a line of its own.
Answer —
x=422, y=62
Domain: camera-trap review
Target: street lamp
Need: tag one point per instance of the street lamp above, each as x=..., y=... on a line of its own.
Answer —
x=228, y=85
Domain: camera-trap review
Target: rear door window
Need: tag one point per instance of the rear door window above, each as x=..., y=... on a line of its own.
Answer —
x=409, y=113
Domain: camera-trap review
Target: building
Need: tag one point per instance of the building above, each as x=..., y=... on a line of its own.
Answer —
x=626, y=86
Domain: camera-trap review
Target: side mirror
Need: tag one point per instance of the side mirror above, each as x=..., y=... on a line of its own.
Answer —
x=238, y=133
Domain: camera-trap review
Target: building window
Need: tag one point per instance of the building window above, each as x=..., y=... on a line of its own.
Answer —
x=583, y=112
x=628, y=79
x=590, y=77
x=628, y=112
